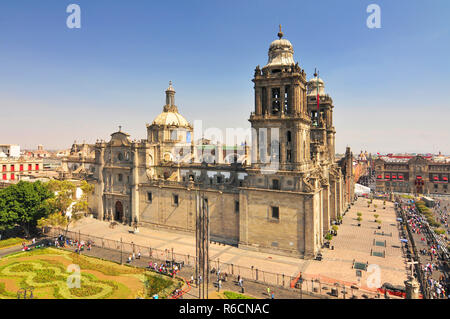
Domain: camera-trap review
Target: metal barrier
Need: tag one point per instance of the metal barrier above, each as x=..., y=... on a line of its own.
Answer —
x=309, y=284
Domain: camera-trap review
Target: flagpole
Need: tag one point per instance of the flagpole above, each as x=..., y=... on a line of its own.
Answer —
x=316, y=74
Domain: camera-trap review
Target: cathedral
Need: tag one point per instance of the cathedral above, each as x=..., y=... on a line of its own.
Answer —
x=279, y=195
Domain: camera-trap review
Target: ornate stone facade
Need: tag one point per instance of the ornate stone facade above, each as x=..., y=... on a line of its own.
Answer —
x=283, y=200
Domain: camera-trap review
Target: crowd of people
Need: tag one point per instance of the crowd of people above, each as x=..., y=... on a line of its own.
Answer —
x=418, y=225
x=167, y=268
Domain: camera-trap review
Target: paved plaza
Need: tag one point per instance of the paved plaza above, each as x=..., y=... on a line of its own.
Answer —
x=353, y=243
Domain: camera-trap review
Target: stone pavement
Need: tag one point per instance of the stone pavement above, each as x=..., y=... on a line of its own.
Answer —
x=352, y=243
x=355, y=243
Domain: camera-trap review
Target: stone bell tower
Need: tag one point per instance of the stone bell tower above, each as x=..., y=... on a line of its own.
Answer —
x=280, y=122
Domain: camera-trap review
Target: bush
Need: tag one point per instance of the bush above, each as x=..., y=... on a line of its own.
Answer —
x=359, y=218
x=334, y=227
x=155, y=284
x=328, y=236
x=235, y=295
x=359, y=214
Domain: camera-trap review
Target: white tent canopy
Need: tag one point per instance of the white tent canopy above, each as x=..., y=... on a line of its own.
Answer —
x=360, y=189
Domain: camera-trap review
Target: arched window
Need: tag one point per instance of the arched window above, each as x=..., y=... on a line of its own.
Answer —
x=120, y=156
x=289, y=136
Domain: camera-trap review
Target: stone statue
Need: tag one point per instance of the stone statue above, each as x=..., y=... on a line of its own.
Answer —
x=257, y=71
x=307, y=186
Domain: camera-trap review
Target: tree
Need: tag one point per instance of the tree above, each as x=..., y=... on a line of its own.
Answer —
x=53, y=220
x=64, y=195
x=23, y=204
x=66, y=203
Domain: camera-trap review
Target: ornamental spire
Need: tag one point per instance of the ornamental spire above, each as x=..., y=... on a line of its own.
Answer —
x=280, y=33
x=170, y=95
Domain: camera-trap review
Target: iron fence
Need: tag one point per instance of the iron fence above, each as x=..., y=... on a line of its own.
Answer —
x=304, y=284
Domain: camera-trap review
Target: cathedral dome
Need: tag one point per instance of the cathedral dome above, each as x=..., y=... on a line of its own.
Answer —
x=281, y=53
x=169, y=118
x=170, y=115
x=312, y=86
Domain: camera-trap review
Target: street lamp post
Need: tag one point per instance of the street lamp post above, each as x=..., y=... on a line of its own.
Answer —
x=121, y=251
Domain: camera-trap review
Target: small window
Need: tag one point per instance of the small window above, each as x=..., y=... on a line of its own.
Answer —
x=120, y=177
x=149, y=197
x=275, y=212
x=120, y=156
x=175, y=200
x=275, y=184
x=236, y=206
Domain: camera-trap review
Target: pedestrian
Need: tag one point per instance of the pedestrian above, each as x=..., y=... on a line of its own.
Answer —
x=129, y=259
x=134, y=256
x=273, y=295
x=219, y=284
x=139, y=254
x=268, y=291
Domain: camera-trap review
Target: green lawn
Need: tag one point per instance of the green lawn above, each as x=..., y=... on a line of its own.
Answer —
x=48, y=271
x=11, y=242
x=235, y=295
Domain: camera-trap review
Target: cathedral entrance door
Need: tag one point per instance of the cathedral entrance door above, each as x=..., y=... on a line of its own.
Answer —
x=119, y=212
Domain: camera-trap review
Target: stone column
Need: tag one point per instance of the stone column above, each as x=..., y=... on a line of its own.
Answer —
x=412, y=288
x=339, y=198
x=100, y=186
x=332, y=206
x=297, y=103
x=134, y=185
x=258, y=107
x=282, y=148
x=326, y=209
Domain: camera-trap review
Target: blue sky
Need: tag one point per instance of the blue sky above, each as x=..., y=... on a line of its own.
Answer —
x=390, y=86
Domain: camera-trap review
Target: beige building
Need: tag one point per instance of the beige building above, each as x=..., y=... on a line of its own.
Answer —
x=282, y=194
x=413, y=174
